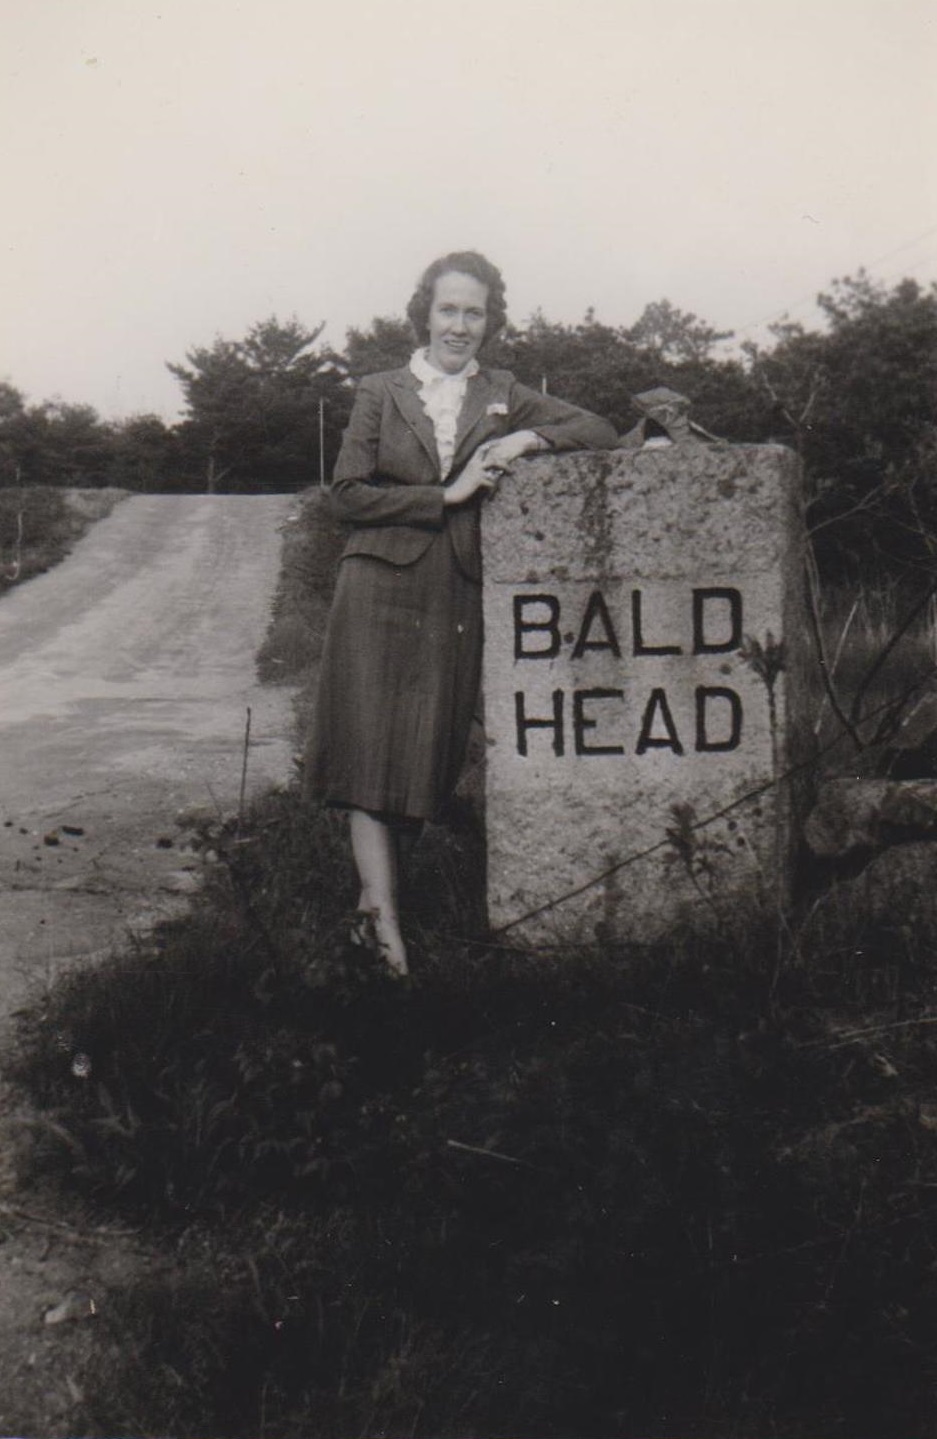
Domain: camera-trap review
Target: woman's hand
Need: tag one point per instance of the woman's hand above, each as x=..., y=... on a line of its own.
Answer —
x=477, y=475
x=501, y=454
x=491, y=461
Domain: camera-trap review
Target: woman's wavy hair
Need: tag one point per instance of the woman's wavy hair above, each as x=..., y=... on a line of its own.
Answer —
x=462, y=262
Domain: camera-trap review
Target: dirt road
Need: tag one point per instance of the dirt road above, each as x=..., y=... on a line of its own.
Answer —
x=125, y=678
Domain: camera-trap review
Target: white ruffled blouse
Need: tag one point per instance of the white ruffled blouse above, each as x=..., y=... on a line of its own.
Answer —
x=442, y=397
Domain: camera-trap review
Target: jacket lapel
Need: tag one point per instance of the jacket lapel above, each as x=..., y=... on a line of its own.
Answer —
x=404, y=389
x=478, y=394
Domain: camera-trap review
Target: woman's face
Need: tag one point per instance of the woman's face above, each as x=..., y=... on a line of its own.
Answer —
x=457, y=320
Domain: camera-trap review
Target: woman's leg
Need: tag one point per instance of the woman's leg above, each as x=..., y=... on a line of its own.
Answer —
x=374, y=846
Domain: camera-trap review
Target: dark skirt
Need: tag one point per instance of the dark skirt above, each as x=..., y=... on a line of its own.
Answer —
x=398, y=684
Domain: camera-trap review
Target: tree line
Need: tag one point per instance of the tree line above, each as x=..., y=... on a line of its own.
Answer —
x=857, y=398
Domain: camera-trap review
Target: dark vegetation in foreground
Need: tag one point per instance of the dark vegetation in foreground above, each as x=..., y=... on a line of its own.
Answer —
x=644, y=1192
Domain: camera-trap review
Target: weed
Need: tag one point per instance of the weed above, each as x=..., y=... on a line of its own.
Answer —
x=877, y=659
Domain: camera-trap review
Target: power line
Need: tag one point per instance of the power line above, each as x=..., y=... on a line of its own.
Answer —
x=811, y=298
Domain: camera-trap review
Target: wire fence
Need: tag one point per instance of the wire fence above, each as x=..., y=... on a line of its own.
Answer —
x=787, y=776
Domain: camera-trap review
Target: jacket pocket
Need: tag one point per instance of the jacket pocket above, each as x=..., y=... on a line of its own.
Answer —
x=397, y=544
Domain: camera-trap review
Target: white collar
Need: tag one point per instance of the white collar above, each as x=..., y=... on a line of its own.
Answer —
x=428, y=374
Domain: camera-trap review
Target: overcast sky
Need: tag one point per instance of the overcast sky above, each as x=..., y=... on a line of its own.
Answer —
x=173, y=171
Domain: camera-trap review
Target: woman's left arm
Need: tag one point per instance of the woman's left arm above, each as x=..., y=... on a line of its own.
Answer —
x=542, y=422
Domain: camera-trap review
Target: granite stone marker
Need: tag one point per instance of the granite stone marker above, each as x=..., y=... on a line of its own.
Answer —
x=638, y=605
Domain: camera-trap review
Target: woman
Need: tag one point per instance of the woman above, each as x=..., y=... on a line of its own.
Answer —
x=402, y=656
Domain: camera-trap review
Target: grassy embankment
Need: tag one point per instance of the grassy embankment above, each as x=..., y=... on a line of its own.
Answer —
x=657, y=1191
x=39, y=524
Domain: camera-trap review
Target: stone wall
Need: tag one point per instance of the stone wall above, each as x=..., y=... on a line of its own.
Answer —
x=635, y=603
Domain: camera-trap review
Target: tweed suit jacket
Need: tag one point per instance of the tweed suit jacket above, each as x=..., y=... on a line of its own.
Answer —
x=388, y=483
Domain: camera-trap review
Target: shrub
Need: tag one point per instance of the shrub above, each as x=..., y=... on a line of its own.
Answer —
x=39, y=524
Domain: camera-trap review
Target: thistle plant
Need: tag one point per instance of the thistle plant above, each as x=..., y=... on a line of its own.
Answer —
x=768, y=662
x=697, y=854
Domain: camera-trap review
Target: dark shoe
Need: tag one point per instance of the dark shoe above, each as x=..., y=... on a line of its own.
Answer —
x=364, y=935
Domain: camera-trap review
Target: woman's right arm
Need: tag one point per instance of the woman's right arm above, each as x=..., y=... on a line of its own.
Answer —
x=359, y=495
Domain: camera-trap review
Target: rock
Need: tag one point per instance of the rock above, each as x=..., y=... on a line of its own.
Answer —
x=76, y=1305
x=853, y=814
x=846, y=816
x=644, y=648
x=912, y=804
x=181, y=881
